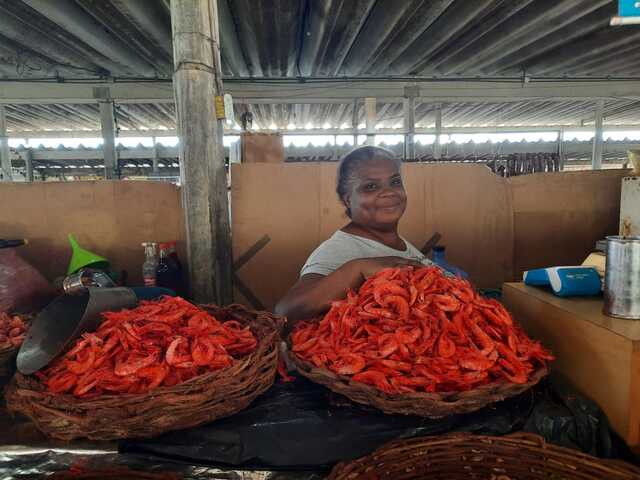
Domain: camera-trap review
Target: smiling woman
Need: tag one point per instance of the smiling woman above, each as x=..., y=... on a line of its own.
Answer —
x=371, y=189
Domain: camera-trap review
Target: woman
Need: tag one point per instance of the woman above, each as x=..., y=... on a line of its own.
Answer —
x=370, y=187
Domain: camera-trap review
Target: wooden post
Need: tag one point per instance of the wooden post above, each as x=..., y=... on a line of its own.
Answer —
x=437, y=146
x=409, y=129
x=370, y=114
x=196, y=82
x=5, y=158
x=596, y=158
x=108, y=127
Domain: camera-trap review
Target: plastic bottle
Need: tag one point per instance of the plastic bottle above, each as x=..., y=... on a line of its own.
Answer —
x=150, y=264
x=438, y=257
x=167, y=274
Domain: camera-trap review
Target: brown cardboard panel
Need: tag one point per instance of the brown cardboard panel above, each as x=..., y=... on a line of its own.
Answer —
x=332, y=211
x=110, y=218
x=296, y=205
x=412, y=224
x=471, y=208
x=262, y=148
x=559, y=217
x=281, y=201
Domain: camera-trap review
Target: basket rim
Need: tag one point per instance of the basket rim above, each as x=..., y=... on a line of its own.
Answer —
x=515, y=439
x=309, y=370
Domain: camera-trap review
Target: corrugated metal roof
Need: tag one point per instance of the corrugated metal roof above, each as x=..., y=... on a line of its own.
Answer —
x=288, y=38
x=452, y=39
x=147, y=116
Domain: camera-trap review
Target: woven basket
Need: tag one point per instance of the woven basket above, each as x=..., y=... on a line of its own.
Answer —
x=432, y=405
x=463, y=456
x=8, y=353
x=7, y=356
x=200, y=400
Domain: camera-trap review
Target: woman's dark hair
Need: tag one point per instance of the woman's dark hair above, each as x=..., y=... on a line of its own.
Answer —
x=352, y=160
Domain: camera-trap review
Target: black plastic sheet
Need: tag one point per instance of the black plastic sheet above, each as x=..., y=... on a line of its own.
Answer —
x=29, y=463
x=300, y=425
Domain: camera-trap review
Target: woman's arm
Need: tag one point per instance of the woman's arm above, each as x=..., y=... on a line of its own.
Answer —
x=313, y=293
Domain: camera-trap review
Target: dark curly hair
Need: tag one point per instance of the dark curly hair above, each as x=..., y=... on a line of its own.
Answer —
x=350, y=163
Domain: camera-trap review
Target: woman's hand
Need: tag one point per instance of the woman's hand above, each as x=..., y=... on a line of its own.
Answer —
x=370, y=266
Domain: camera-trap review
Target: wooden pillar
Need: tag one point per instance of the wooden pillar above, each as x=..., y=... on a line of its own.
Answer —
x=437, y=146
x=370, y=114
x=409, y=129
x=596, y=158
x=5, y=158
x=108, y=127
x=28, y=163
x=197, y=80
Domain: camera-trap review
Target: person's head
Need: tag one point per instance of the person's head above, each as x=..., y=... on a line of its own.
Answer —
x=370, y=187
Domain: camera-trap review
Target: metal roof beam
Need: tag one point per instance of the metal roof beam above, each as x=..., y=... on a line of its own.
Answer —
x=159, y=134
x=332, y=91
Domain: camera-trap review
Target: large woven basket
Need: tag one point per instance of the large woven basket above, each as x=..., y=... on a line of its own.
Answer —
x=431, y=405
x=200, y=400
x=463, y=456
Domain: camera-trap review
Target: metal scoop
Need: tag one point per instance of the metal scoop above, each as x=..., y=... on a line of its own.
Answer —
x=64, y=320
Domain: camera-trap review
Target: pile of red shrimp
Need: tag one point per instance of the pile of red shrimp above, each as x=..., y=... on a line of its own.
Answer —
x=160, y=343
x=417, y=330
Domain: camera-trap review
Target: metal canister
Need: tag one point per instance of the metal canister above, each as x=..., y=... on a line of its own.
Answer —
x=622, y=278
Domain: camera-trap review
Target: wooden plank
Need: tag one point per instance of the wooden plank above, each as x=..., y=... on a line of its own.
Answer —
x=588, y=309
x=595, y=360
x=633, y=428
x=197, y=80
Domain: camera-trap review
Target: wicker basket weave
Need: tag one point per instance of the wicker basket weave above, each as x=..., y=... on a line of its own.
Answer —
x=8, y=353
x=7, y=356
x=200, y=400
x=463, y=456
x=431, y=405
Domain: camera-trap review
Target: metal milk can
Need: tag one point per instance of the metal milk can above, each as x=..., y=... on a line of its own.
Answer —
x=622, y=278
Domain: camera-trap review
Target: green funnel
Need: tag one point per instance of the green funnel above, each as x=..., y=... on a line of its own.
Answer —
x=81, y=258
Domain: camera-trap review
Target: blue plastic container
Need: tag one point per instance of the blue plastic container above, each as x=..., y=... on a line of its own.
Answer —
x=438, y=257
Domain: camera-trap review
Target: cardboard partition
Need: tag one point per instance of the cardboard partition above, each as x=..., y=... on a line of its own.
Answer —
x=297, y=207
x=493, y=227
x=262, y=148
x=111, y=218
x=558, y=218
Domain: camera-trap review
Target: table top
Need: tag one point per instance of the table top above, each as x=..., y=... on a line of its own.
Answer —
x=587, y=308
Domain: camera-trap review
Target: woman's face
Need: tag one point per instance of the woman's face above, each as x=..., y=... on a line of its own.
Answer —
x=377, y=198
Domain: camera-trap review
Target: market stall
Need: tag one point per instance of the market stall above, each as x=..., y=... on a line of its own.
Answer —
x=258, y=319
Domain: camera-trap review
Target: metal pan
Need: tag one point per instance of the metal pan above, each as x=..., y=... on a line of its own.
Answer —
x=64, y=320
